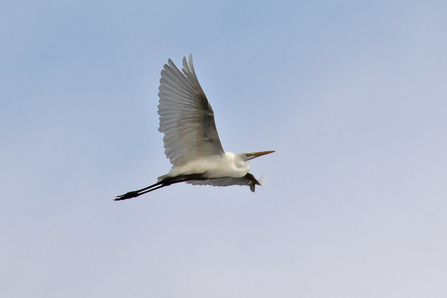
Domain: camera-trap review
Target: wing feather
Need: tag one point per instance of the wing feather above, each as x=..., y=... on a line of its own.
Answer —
x=248, y=179
x=186, y=117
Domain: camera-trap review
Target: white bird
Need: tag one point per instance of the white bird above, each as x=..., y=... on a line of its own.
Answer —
x=190, y=137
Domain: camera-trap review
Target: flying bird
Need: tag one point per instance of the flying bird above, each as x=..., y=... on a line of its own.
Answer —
x=190, y=137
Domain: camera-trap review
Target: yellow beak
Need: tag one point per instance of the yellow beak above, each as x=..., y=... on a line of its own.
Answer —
x=257, y=154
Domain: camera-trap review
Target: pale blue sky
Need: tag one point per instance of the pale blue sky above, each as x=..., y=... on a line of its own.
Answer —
x=352, y=95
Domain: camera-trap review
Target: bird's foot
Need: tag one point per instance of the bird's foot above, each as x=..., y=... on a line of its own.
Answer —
x=130, y=194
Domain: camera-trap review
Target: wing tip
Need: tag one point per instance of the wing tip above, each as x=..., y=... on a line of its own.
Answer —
x=262, y=180
x=188, y=66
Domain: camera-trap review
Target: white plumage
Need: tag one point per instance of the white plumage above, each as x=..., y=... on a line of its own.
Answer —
x=191, y=140
x=186, y=117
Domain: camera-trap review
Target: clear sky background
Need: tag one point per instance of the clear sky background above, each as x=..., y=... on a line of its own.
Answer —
x=352, y=95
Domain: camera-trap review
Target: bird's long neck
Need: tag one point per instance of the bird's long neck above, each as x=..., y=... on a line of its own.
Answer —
x=240, y=163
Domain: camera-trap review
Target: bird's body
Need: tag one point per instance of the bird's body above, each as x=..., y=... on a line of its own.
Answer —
x=191, y=140
x=214, y=166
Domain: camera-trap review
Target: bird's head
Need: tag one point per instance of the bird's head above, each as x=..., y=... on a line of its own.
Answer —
x=249, y=156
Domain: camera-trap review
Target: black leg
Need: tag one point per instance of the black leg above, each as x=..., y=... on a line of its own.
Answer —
x=165, y=182
x=136, y=193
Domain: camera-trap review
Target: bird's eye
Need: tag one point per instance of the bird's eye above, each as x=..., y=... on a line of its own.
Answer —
x=247, y=154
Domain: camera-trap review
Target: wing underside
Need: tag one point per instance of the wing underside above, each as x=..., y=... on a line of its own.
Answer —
x=248, y=180
x=186, y=117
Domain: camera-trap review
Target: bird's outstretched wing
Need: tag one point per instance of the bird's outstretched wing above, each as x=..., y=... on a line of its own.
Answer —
x=186, y=117
x=248, y=179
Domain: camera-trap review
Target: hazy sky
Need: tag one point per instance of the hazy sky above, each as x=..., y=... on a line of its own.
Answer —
x=352, y=95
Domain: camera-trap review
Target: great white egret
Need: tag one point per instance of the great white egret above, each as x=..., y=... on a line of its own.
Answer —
x=191, y=140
